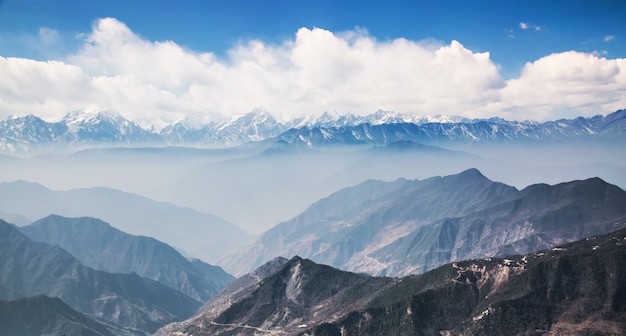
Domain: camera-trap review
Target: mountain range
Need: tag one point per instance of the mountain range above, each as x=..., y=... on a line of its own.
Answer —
x=461, y=132
x=412, y=226
x=98, y=245
x=79, y=130
x=133, y=285
x=136, y=304
x=573, y=289
x=197, y=234
x=444, y=255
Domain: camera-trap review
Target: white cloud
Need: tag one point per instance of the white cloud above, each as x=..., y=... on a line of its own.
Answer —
x=609, y=38
x=581, y=83
x=351, y=72
x=43, y=88
x=526, y=25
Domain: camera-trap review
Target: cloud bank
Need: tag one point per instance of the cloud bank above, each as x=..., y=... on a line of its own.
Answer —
x=316, y=71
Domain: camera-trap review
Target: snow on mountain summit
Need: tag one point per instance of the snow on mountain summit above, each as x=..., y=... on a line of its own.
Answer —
x=104, y=127
x=87, y=129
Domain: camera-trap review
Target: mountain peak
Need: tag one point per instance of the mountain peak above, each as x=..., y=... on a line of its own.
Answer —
x=99, y=245
x=79, y=223
x=471, y=173
x=468, y=177
x=270, y=267
x=489, y=296
x=80, y=129
x=29, y=116
x=7, y=229
x=90, y=117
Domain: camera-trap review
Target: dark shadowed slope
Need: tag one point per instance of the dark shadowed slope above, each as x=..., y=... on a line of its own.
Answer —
x=296, y=294
x=412, y=226
x=43, y=316
x=30, y=268
x=576, y=289
x=98, y=245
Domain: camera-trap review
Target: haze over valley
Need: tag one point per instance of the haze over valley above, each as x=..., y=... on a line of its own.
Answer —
x=383, y=199
x=258, y=184
x=312, y=168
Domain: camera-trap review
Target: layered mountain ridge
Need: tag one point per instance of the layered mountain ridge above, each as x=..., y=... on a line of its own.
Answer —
x=412, y=226
x=129, y=301
x=81, y=130
x=578, y=288
x=198, y=234
x=98, y=245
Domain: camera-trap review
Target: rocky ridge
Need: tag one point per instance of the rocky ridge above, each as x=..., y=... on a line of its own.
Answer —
x=575, y=289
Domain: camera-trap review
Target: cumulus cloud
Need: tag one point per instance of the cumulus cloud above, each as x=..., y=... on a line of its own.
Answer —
x=609, y=38
x=318, y=70
x=42, y=88
x=570, y=81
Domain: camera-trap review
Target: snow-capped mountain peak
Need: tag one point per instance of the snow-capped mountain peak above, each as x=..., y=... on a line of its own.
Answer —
x=84, y=118
x=86, y=129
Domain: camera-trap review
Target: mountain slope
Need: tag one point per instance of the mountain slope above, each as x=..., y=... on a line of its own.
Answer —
x=296, y=294
x=98, y=245
x=31, y=134
x=281, y=182
x=576, y=289
x=19, y=134
x=197, y=234
x=44, y=316
x=538, y=217
x=82, y=129
x=609, y=127
x=253, y=126
x=104, y=128
x=30, y=268
x=413, y=226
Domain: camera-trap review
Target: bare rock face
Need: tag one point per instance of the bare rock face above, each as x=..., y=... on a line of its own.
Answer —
x=574, y=289
x=292, y=296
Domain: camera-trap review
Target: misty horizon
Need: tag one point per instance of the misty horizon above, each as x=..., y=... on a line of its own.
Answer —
x=312, y=167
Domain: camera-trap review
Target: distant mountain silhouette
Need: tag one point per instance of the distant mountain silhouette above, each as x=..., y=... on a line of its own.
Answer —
x=98, y=245
x=80, y=130
x=198, y=234
x=493, y=130
x=32, y=268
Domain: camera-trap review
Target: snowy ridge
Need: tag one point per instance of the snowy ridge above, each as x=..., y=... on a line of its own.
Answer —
x=80, y=130
x=457, y=129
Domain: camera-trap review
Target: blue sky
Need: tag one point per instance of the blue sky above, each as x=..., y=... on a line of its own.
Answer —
x=514, y=33
x=216, y=26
